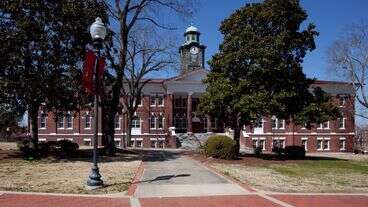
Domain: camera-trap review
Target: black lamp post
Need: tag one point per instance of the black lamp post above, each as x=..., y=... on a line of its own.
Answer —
x=98, y=33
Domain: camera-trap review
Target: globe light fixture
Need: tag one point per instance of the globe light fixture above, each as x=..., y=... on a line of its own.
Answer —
x=98, y=29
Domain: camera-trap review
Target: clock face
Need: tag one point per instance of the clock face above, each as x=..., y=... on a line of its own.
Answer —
x=194, y=50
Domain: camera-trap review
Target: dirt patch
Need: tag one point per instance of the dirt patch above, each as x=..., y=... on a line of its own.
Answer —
x=67, y=176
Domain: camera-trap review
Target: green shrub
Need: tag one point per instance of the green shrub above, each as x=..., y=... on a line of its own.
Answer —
x=278, y=150
x=220, y=147
x=295, y=152
x=68, y=148
x=44, y=148
x=257, y=151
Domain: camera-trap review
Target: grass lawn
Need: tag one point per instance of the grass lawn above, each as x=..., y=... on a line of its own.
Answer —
x=64, y=176
x=302, y=176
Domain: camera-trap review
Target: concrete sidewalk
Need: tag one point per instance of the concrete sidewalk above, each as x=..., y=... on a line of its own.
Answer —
x=168, y=174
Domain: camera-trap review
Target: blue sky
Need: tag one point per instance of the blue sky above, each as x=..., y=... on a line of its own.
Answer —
x=330, y=17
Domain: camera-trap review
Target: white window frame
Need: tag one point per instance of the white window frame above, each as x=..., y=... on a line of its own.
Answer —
x=321, y=125
x=343, y=100
x=282, y=139
x=343, y=122
x=162, y=121
x=344, y=145
x=153, y=97
x=258, y=141
x=163, y=100
x=119, y=122
x=87, y=140
x=274, y=118
x=58, y=121
x=117, y=140
x=306, y=143
x=43, y=115
x=323, y=139
x=89, y=121
x=154, y=121
x=67, y=122
x=134, y=124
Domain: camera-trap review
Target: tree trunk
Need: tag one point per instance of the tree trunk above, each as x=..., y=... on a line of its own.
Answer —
x=128, y=130
x=33, y=115
x=237, y=131
x=110, y=133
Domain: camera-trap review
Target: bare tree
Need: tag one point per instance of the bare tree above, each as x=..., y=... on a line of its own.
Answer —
x=131, y=16
x=361, y=138
x=348, y=57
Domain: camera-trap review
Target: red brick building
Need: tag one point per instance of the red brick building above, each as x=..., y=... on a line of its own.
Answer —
x=168, y=108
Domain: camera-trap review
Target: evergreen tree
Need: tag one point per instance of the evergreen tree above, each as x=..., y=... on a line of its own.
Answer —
x=258, y=70
x=43, y=48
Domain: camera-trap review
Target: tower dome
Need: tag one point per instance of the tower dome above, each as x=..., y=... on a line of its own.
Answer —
x=191, y=29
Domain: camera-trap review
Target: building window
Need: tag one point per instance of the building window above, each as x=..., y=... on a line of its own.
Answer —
x=60, y=122
x=131, y=143
x=342, y=123
x=117, y=142
x=259, y=142
x=324, y=125
x=43, y=121
x=278, y=142
x=87, y=123
x=323, y=143
x=136, y=123
x=305, y=143
x=160, y=122
x=342, y=101
x=277, y=123
x=153, y=100
x=153, y=143
x=69, y=121
x=139, y=143
x=117, y=122
x=87, y=142
x=153, y=122
x=160, y=100
x=342, y=143
x=258, y=123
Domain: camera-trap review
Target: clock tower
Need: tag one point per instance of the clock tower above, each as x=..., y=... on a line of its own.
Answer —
x=192, y=51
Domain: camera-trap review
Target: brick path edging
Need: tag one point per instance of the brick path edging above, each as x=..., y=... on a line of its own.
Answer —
x=138, y=174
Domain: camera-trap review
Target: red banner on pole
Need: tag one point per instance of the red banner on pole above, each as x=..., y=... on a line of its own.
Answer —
x=89, y=64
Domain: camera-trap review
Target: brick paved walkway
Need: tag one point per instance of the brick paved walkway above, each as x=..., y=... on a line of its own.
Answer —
x=251, y=200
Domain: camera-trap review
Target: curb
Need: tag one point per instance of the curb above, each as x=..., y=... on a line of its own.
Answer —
x=61, y=194
x=137, y=177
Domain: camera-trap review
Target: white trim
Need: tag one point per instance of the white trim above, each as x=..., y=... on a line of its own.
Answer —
x=344, y=145
x=153, y=139
x=59, y=139
x=137, y=139
x=161, y=139
x=42, y=139
x=343, y=123
x=304, y=138
x=323, y=139
x=321, y=125
x=87, y=139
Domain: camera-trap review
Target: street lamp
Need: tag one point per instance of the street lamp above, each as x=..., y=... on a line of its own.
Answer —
x=98, y=33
